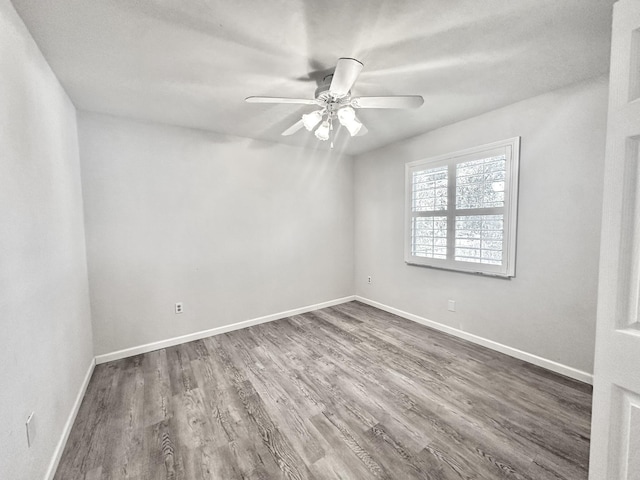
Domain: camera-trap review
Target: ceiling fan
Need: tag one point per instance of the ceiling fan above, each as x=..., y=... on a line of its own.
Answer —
x=333, y=97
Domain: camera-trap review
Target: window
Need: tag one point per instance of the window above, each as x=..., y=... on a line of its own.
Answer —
x=461, y=210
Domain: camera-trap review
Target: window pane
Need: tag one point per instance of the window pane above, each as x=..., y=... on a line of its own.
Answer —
x=429, y=237
x=429, y=190
x=479, y=239
x=480, y=183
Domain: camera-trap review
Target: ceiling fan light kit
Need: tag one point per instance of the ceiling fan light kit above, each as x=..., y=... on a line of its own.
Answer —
x=334, y=97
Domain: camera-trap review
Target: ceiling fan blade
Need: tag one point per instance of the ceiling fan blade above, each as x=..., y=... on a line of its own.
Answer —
x=293, y=128
x=301, y=101
x=347, y=71
x=397, y=101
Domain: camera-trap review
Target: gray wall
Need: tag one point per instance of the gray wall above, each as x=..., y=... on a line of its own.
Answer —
x=549, y=308
x=45, y=344
x=234, y=228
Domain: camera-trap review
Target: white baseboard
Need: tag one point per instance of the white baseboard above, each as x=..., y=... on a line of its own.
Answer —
x=513, y=352
x=57, y=454
x=170, y=342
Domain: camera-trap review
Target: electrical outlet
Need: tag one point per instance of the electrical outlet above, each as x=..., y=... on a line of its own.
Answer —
x=452, y=306
x=31, y=430
x=179, y=308
x=369, y=279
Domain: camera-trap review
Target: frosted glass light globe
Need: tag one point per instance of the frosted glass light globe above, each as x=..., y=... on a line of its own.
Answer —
x=346, y=115
x=322, y=133
x=310, y=120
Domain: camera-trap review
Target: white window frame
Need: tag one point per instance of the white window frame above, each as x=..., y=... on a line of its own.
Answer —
x=511, y=149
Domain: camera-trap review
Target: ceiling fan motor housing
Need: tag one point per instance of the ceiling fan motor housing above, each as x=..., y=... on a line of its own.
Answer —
x=323, y=93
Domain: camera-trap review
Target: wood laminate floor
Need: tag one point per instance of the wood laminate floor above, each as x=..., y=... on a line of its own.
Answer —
x=348, y=392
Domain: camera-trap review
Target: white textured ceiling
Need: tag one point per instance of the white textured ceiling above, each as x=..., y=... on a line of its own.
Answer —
x=192, y=62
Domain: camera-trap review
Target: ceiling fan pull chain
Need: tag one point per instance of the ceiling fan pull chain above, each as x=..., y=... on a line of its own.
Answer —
x=331, y=130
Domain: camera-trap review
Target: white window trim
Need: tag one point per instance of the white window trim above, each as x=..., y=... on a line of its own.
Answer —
x=511, y=148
